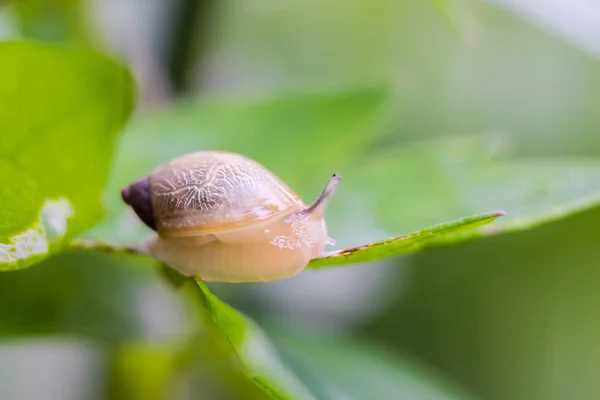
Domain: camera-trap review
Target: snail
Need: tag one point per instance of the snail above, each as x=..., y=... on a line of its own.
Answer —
x=221, y=216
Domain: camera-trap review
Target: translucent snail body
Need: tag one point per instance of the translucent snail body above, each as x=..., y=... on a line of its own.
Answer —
x=223, y=217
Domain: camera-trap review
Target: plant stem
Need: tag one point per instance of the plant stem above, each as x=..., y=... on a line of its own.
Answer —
x=191, y=31
x=106, y=247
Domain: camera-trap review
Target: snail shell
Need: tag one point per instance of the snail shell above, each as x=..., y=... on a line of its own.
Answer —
x=224, y=217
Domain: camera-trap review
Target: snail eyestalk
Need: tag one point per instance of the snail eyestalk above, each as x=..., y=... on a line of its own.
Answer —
x=320, y=205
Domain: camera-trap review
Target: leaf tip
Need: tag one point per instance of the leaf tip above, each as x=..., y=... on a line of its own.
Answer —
x=500, y=213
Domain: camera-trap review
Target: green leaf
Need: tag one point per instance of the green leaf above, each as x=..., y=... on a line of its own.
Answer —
x=439, y=234
x=464, y=175
x=446, y=10
x=258, y=358
x=78, y=293
x=337, y=365
x=201, y=364
x=468, y=309
x=111, y=303
x=54, y=20
x=142, y=371
x=61, y=111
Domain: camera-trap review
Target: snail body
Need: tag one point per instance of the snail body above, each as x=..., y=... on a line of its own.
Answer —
x=221, y=216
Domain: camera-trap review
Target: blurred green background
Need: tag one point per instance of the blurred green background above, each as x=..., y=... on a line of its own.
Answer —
x=431, y=110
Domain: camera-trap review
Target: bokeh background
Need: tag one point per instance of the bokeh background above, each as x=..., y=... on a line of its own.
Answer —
x=431, y=110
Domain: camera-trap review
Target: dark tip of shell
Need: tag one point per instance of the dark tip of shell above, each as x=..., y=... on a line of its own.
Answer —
x=125, y=194
x=138, y=197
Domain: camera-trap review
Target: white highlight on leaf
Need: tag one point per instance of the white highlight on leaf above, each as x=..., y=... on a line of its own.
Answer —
x=51, y=226
x=23, y=245
x=54, y=216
